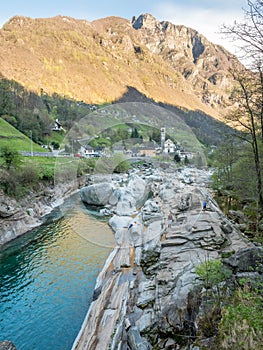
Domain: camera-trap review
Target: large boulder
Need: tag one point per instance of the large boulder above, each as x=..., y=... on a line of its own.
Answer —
x=119, y=222
x=166, y=192
x=184, y=203
x=97, y=194
x=247, y=260
x=237, y=216
x=136, y=231
x=135, y=341
x=138, y=189
x=126, y=205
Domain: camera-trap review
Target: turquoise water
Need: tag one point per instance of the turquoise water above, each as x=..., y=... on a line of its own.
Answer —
x=47, y=278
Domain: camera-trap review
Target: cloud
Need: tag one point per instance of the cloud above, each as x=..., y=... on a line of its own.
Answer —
x=206, y=20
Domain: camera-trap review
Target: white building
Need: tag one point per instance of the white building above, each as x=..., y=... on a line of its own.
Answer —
x=184, y=155
x=88, y=152
x=169, y=146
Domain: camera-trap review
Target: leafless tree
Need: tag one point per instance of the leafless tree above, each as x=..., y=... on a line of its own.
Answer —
x=249, y=33
x=248, y=94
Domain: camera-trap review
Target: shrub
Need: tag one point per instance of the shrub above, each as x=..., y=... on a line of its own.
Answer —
x=122, y=167
x=10, y=157
x=46, y=172
x=28, y=175
x=86, y=166
x=11, y=184
x=18, y=183
x=116, y=164
x=212, y=272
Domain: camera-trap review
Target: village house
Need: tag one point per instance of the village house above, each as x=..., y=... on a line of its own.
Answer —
x=57, y=126
x=148, y=149
x=185, y=155
x=88, y=152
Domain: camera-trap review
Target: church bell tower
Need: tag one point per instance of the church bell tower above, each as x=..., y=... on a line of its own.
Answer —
x=162, y=138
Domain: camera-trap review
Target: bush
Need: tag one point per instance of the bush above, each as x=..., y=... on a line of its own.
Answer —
x=46, y=172
x=122, y=167
x=10, y=157
x=18, y=183
x=86, y=166
x=212, y=272
x=29, y=175
x=11, y=184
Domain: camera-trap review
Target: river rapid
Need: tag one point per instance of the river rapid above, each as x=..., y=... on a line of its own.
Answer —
x=47, y=277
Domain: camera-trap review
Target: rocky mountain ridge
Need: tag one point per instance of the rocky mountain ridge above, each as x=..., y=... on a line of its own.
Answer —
x=96, y=61
x=199, y=61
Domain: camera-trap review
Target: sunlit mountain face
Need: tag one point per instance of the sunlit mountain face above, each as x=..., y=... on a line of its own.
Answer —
x=97, y=61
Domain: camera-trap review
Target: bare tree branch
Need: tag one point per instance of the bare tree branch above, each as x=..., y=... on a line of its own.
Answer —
x=249, y=95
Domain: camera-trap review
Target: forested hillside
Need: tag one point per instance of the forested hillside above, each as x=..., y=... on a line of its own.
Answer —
x=28, y=112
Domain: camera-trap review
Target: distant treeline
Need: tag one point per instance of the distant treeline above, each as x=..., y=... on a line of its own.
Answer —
x=30, y=112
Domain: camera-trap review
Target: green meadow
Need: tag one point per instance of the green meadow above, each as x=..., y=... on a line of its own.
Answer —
x=11, y=137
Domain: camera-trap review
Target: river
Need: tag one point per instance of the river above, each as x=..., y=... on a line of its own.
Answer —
x=48, y=275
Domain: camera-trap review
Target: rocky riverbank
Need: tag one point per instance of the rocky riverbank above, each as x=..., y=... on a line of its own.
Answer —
x=148, y=294
x=19, y=216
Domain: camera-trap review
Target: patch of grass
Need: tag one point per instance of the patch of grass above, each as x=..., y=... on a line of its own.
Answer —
x=54, y=137
x=45, y=166
x=11, y=137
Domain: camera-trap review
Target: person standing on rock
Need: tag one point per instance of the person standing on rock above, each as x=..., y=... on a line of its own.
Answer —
x=131, y=225
x=204, y=205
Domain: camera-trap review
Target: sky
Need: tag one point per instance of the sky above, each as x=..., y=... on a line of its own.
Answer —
x=205, y=16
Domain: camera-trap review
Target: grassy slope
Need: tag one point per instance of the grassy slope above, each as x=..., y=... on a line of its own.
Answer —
x=10, y=136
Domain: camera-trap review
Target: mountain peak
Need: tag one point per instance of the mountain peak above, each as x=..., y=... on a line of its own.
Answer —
x=147, y=21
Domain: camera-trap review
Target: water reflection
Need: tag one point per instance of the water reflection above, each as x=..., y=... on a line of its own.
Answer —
x=46, y=284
